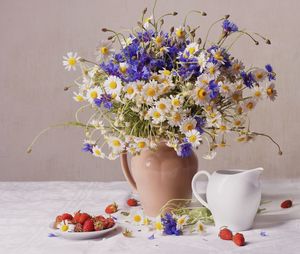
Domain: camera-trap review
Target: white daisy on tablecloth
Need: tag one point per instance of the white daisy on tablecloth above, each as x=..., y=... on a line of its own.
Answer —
x=182, y=221
x=70, y=61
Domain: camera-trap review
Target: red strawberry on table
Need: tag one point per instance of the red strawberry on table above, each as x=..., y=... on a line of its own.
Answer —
x=83, y=217
x=98, y=225
x=76, y=217
x=111, y=222
x=78, y=227
x=132, y=202
x=112, y=208
x=88, y=225
x=239, y=239
x=225, y=234
x=286, y=204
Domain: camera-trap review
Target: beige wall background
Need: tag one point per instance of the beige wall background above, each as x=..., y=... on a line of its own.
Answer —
x=35, y=34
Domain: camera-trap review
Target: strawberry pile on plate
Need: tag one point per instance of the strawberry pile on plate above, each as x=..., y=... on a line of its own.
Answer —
x=82, y=222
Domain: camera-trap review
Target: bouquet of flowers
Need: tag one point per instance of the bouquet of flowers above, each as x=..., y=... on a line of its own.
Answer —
x=153, y=86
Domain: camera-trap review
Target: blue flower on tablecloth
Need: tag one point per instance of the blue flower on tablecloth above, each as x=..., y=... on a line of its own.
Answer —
x=170, y=225
x=52, y=235
x=263, y=233
x=151, y=237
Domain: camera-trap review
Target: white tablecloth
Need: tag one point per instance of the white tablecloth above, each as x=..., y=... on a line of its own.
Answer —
x=26, y=209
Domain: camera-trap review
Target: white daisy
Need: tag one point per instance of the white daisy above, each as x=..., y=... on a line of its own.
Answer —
x=201, y=95
x=137, y=217
x=113, y=86
x=158, y=40
x=192, y=48
x=158, y=225
x=176, y=101
x=203, y=80
x=78, y=97
x=259, y=75
x=127, y=41
x=180, y=33
x=212, y=70
x=150, y=91
x=64, y=226
x=237, y=66
x=258, y=92
x=129, y=90
x=248, y=105
x=97, y=152
x=70, y=61
x=225, y=89
x=104, y=51
x=93, y=93
x=156, y=115
x=116, y=144
x=213, y=119
x=238, y=121
x=163, y=105
x=163, y=51
x=223, y=127
x=210, y=155
x=182, y=221
x=139, y=85
x=164, y=73
x=199, y=227
x=176, y=118
x=141, y=143
x=271, y=91
x=202, y=60
x=193, y=137
x=218, y=54
x=188, y=124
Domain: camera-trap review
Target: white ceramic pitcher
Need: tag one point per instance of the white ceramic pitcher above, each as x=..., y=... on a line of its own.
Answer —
x=233, y=197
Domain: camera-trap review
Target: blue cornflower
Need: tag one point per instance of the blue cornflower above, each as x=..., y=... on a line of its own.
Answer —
x=200, y=124
x=271, y=74
x=87, y=147
x=229, y=27
x=170, y=225
x=105, y=100
x=214, y=89
x=248, y=79
x=185, y=150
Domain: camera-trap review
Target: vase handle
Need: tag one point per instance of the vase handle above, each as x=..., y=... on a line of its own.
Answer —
x=195, y=192
x=126, y=171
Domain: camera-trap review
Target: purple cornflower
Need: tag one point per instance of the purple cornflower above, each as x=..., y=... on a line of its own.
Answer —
x=248, y=79
x=170, y=225
x=105, y=100
x=185, y=150
x=200, y=124
x=271, y=74
x=229, y=27
x=214, y=89
x=87, y=147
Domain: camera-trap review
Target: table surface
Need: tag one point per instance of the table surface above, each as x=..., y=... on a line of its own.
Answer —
x=27, y=208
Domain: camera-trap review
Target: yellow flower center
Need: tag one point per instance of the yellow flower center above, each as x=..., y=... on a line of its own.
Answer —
x=139, y=87
x=192, y=50
x=116, y=143
x=123, y=68
x=218, y=55
x=166, y=72
x=176, y=102
x=141, y=144
x=158, y=39
x=130, y=90
x=223, y=128
x=201, y=94
x=212, y=70
x=104, y=50
x=162, y=106
x=200, y=227
x=189, y=126
x=113, y=85
x=64, y=228
x=150, y=92
x=225, y=88
x=237, y=122
x=137, y=218
x=180, y=33
x=237, y=67
x=156, y=114
x=270, y=91
x=79, y=98
x=97, y=152
x=180, y=221
x=72, y=61
x=236, y=96
x=259, y=75
x=94, y=94
x=250, y=105
x=158, y=225
x=192, y=138
x=257, y=93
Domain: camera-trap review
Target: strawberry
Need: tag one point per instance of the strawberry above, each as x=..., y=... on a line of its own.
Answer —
x=286, y=204
x=78, y=227
x=111, y=222
x=58, y=220
x=67, y=216
x=83, y=217
x=112, y=208
x=99, y=217
x=98, y=225
x=239, y=239
x=76, y=217
x=225, y=234
x=132, y=202
x=88, y=226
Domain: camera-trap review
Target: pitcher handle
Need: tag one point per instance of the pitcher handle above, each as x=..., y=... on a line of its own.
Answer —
x=126, y=171
x=201, y=200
